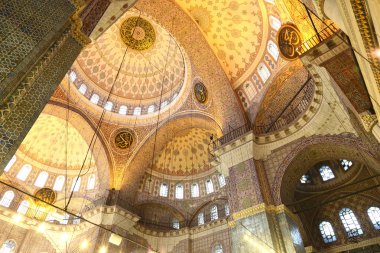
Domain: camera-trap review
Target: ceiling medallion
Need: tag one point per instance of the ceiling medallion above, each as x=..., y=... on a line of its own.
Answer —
x=124, y=139
x=45, y=194
x=200, y=92
x=288, y=40
x=137, y=33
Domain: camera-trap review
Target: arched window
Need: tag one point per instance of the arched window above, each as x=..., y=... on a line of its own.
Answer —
x=137, y=111
x=214, y=213
x=179, y=191
x=73, y=76
x=350, y=223
x=218, y=248
x=327, y=232
x=264, y=72
x=164, y=104
x=10, y=164
x=222, y=180
x=209, y=186
x=75, y=184
x=346, y=164
x=305, y=179
x=374, y=215
x=65, y=218
x=24, y=172
x=123, y=110
x=164, y=190
x=273, y=50
x=7, y=198
x=175, y=224
x=23, y=207
x=326, y=173
x=82, y=89
x=275, y=23
x=175, y=95
x=41, y=179
x=250, y=90
x=95, y=99
x=91, y=182
x=59, y=182
x=9, y=246
x=108, y=106
x=195, y=190
x=201, y=219
x=151, y=109
x=227, y=209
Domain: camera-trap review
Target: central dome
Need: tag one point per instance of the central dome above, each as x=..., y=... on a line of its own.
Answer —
x=151, y=65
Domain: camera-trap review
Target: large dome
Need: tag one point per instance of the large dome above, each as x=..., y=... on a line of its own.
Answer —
x=153, y=66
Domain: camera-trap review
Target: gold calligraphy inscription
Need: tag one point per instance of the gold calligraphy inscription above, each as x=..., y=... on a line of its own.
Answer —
x=288, y=40
x=200, y=92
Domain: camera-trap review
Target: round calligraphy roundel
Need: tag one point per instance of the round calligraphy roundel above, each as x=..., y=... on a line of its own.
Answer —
x=200, y=92
x=124, y=139
x=47, y=195
x=289, y=40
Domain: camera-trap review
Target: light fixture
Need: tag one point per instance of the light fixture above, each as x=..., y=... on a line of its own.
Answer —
x=84, y=244
x=115, y=239
x=103, y=249
x=41, y=228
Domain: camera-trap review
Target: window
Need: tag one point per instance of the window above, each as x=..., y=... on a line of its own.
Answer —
x=108, y=106
x=374, y=215
x=201, y=219
x=218, y=248
x=137, y=111
x=273, y=50
x=195, y=190
x=24, y=172
x=264, y=72
x=23, y=207
x=326, y=173
x=209, y=186
x=73, y=76
x=59, y=182
x=82, y=88
x=91, y=182
x=175, y=224
x=346, y=164
x=179, y=191
x=250, y=90
x=164, y=190
x=76, y=220
x=75, y=184
x=275, y=23
x=10, y=163
x=7, y=198
x=123, y=110
x=94, y=99
x=305, y=179
x=175, y=95
x=151, y=109
x=222, y=180
x=214, y=213
x=9, y=246
x=350, y=223
x=164, y=104
x=227, y=209
x=327, y=232
x=41, y=179
x=65, y=218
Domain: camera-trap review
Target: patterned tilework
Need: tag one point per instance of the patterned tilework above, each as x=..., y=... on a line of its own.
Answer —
x=206, y=243
x=26, y=28
x=243, y=182
x=16, y=124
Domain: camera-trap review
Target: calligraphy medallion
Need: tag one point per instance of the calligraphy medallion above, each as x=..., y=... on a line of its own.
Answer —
x=288, y=40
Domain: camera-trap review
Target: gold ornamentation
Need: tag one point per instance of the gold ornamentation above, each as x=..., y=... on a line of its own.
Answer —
x=45, y=194
x=288, y=40
x=137, y=33
x=200, y=92
x=124, y=139
x=368, y=120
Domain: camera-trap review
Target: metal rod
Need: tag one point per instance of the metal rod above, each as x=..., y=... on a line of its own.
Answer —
x=312, y=22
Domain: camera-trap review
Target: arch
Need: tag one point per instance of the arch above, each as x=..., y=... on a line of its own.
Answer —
x=82, y=89
x=123, y=110
x=194, y=190
x=23, y=207
x=7, y=198
x=218, y=248
x=24, y=172
x=179, y=190
x=41, y=179
x=327, y=232
x=374, y=215
x=59, y=183
x=94, y=98
x=9, y=246
x=91, y=182
x=10, y=163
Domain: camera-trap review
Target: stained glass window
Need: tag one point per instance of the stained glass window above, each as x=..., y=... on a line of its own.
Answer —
x=374, y=215
x=201, y=219
x=41, y=179
x=209, y=186
x=222, y=180
x=23, y=207
x=175, y=224
x=137, y=111
x=350, y=222
x=10, y=164
x=195, y=190
x=91, y=182
x=108, y=106
x=151, y=109
x=123, y=110
x=346, y=164
x=59, y=182
x=95, y=99
x=7, y=198
x=327, y=232
x=179, y=191
x=326, y=173
x=305, y=179
x=218, y=248
x=9, y=246
x=24, y=172
x=264, y=72
x=82, y=89
x=273, y=49
x=214, y=213
x=75, y=184
x=164, y=190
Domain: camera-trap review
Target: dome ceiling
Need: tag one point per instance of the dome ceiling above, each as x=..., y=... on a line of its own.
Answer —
x=47, y=141
x=186, y=154
x=153, y=65
x=236, y=30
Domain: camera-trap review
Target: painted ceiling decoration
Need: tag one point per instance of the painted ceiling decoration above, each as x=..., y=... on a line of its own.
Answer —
x=137, y=33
